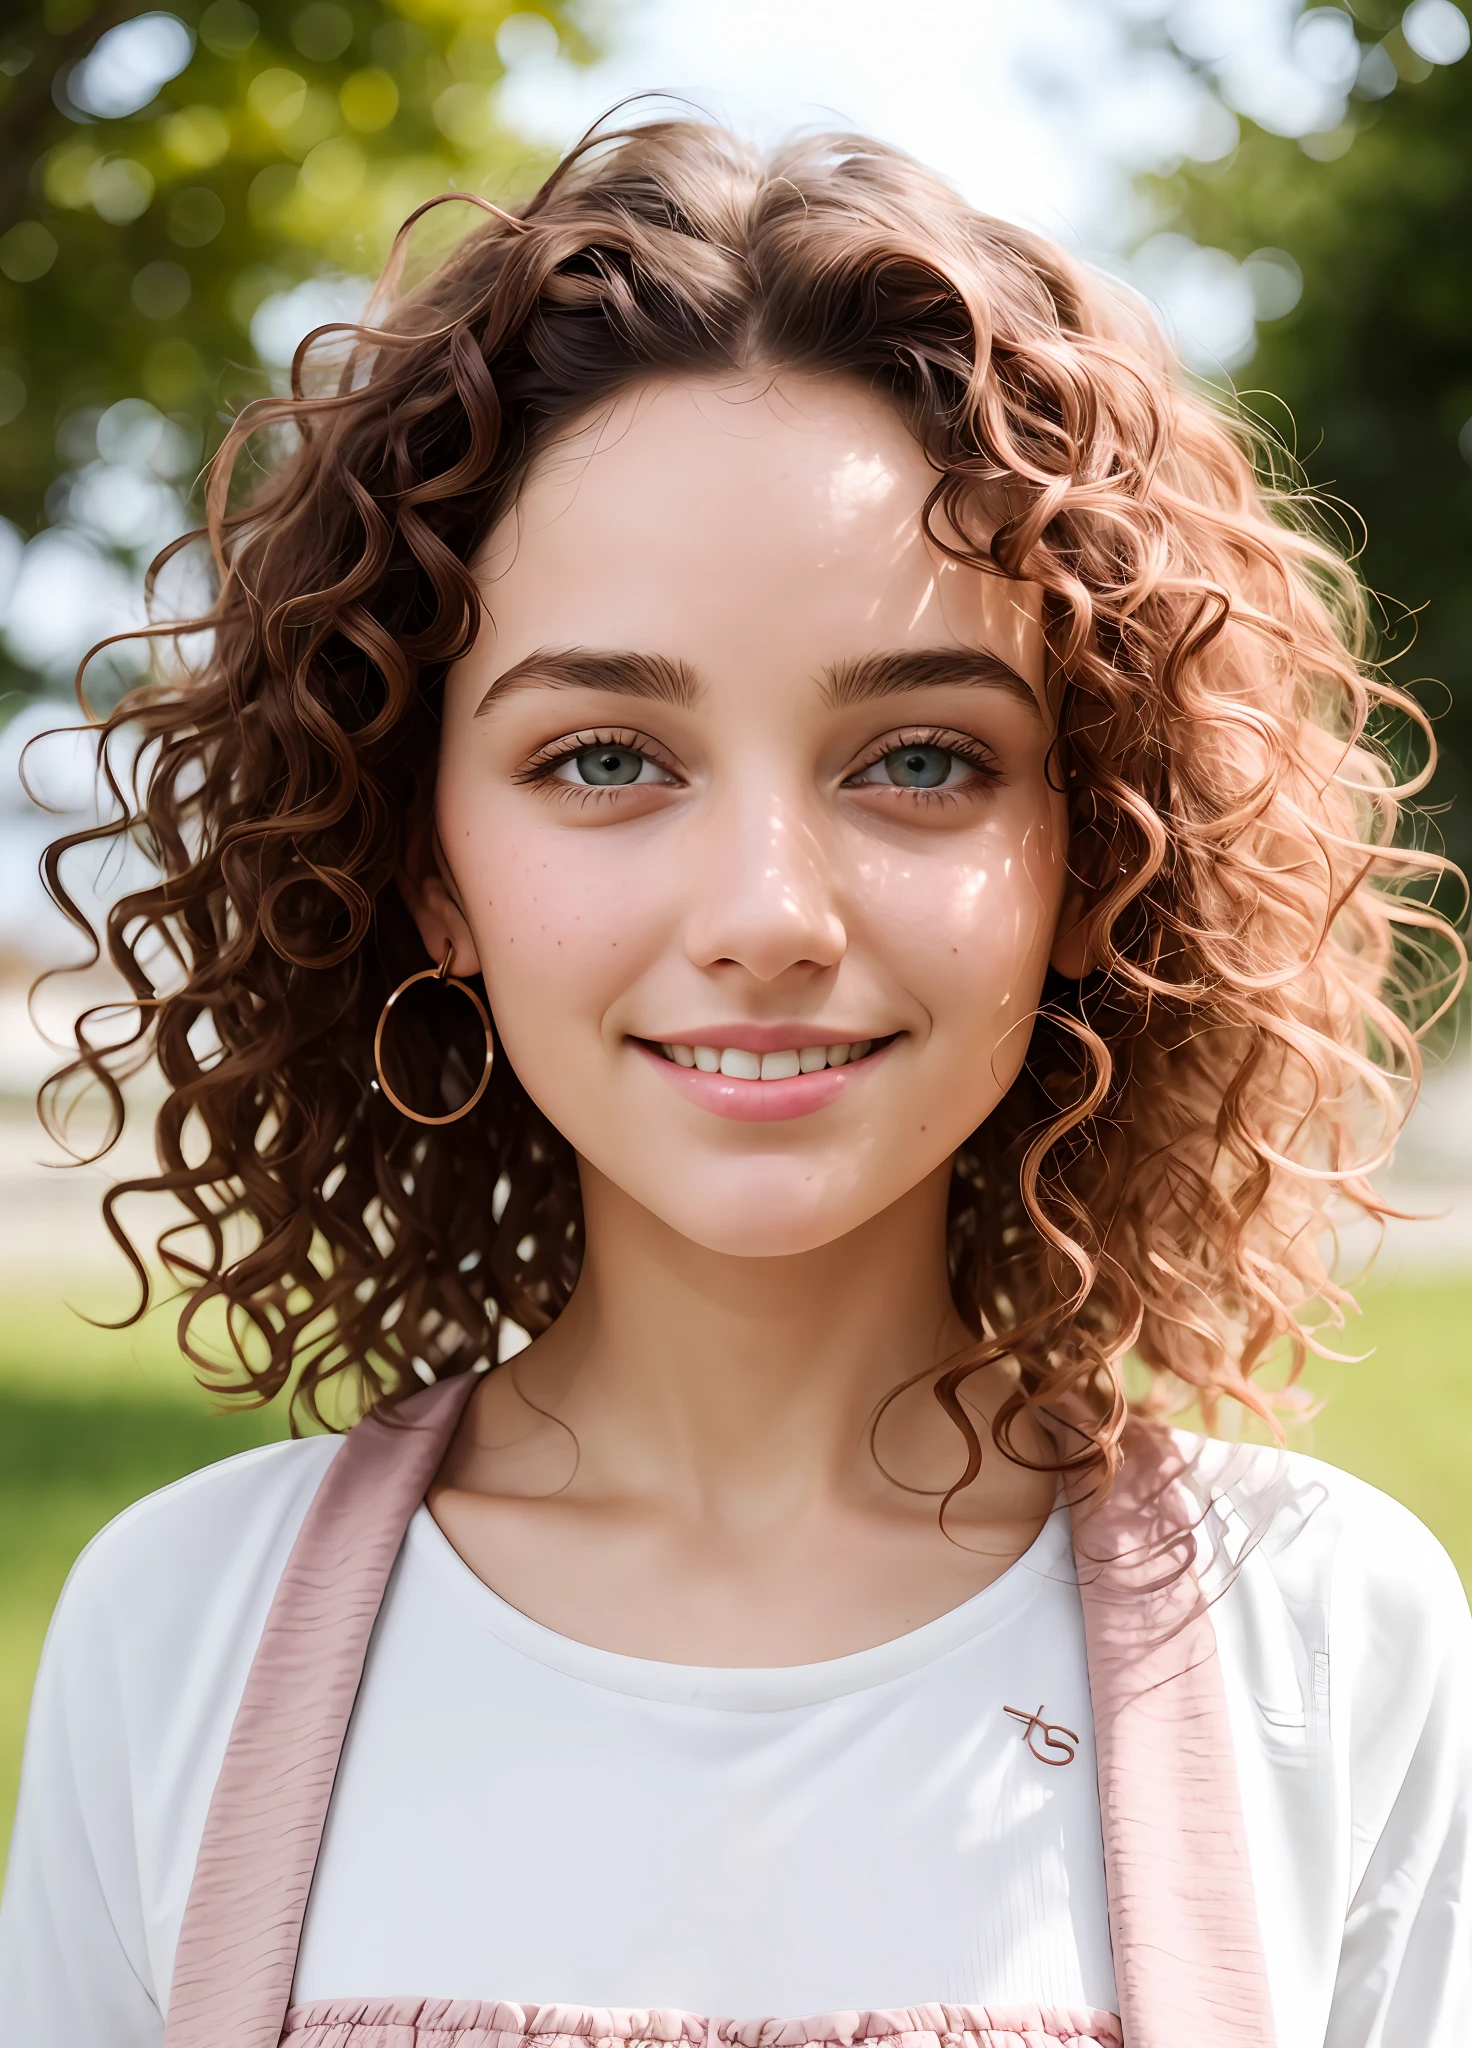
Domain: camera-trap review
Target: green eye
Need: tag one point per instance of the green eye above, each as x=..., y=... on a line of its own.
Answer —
x=606, y=767
x=919, y=767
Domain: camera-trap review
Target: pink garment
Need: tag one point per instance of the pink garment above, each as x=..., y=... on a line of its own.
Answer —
x=439, y=2023
x=1183, y=1920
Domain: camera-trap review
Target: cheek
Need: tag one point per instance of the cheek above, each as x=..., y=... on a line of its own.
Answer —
x=971, y=936
x=560, y=922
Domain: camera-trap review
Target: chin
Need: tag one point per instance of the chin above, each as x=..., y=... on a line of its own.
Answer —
x=767, y=1219
x=761, y=1238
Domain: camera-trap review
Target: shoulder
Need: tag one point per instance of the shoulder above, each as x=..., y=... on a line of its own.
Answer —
x=143, y=1670
x=149, y=1649
x=178, y=1563
x=250, y=1500
x=1329, y=1543
x=1310, y=1518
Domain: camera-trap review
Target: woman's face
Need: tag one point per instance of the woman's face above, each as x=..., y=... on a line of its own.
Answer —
x=744, y=798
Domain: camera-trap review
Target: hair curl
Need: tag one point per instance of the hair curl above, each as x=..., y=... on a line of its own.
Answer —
x=1191, y=1116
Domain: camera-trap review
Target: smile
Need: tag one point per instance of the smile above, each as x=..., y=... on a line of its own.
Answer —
x=746, y=1086
x=737, y=1064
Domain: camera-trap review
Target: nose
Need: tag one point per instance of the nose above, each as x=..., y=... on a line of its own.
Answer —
x=762, y=890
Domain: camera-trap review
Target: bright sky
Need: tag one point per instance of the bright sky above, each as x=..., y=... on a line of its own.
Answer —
x=982, y=90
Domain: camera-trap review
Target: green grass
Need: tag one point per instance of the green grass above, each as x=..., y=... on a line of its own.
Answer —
x=1403, y=1418
x=91, y=1419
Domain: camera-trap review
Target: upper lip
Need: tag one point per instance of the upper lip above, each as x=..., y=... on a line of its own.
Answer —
x=763, y=1037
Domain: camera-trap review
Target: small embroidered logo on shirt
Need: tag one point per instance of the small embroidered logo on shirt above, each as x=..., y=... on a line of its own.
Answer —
x=1053, y=1735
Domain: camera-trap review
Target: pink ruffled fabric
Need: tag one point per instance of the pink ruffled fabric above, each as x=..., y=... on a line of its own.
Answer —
x=469, y=2023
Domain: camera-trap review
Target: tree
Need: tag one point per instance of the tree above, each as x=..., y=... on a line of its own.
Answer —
x=1374, y=362
x=166, y=176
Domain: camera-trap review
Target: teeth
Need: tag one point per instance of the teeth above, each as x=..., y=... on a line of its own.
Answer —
x=740, y=1065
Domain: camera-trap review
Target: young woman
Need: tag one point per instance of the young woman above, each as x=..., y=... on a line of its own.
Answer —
x=768, y=799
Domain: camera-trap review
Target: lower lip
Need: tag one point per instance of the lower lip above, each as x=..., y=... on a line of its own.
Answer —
x=762, y=1102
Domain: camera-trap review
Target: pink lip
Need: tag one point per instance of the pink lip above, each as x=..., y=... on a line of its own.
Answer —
x=759, y=1102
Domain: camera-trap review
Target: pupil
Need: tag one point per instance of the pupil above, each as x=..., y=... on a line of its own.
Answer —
x=919, y=767
x=606, y=765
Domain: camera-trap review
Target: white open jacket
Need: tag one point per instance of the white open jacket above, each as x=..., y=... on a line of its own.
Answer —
x=1338, y=1624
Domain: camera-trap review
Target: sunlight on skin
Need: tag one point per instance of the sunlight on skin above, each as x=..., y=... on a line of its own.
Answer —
x=758, y=537
x=765, y=1257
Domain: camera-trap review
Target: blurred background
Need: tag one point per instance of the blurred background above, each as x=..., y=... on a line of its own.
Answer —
x=186, y=190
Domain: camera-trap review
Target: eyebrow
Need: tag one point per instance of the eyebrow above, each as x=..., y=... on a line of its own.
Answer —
x=867, y=676
x=621, y=673
x=859, y=680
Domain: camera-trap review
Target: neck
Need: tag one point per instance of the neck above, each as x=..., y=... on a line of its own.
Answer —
x=750, y=1385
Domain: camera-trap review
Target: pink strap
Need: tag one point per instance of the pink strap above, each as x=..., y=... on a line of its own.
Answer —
x=1183, y=1919
x=1188, y=1960
x=243, y=1921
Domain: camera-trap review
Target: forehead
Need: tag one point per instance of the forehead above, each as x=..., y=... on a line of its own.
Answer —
x=779, y=519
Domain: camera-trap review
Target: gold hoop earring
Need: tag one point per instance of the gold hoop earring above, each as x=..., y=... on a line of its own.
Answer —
x=441, y=974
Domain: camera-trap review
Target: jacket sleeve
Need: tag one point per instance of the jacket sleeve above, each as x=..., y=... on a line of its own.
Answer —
x=73, y=1954
x=1405, y=1971
x=142, y=1673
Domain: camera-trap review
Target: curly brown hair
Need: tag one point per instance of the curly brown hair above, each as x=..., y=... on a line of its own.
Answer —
x=1160, y=1177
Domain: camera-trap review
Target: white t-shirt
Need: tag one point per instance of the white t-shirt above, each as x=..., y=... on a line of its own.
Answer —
x=561, y=1825
x=523, y=1817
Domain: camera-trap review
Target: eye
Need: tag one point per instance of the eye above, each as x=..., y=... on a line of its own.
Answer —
x=919, y=767
x=609, y=765
x=919, y=764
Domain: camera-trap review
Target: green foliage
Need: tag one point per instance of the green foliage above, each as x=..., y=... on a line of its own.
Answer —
x=137, y=246
x=1369, y=377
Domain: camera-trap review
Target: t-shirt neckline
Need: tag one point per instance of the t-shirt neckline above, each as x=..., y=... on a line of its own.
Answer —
x=749, y=1688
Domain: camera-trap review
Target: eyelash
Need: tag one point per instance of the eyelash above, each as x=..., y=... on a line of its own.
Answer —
x=971, y=751
x=540, y=770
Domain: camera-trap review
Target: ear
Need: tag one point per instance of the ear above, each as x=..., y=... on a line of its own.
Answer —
x=428, y=888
